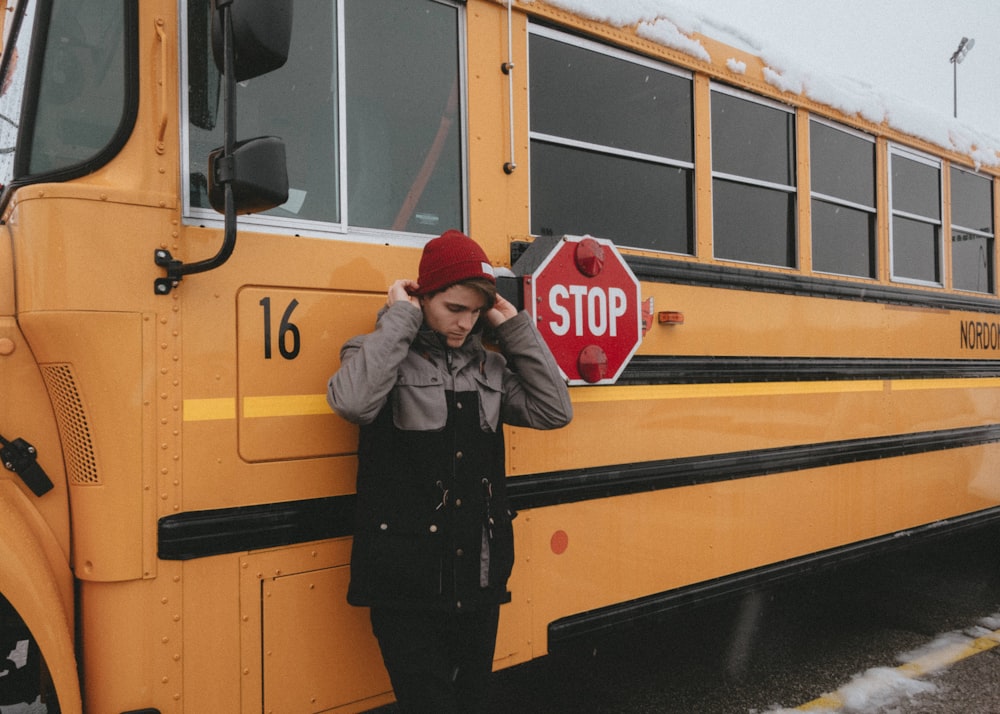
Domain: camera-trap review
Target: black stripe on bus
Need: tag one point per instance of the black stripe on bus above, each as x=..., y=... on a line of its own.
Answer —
x=660, y=369
x=731, y=277
x=571, y=486
x=584, y=628
x=197, y=534
x=659, y=270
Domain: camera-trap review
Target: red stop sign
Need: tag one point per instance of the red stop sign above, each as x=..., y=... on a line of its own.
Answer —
x=585, y=301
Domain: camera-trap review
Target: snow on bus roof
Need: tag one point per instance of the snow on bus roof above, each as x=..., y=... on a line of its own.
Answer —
x=672, y=25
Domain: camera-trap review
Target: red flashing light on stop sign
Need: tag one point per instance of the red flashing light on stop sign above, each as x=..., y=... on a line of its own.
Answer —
x=589, y=257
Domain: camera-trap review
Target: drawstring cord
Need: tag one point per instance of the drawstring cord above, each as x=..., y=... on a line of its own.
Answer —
x=488, y=521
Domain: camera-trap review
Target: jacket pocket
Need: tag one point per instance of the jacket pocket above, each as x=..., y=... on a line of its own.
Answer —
x=419, y=404
x=406, y=565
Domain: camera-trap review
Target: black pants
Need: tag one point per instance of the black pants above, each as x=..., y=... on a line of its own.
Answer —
x=438, y=662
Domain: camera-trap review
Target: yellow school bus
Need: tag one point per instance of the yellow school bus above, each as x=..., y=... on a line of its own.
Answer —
x=203, y=200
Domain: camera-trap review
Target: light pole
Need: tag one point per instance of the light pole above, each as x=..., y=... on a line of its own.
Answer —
x=964, y=46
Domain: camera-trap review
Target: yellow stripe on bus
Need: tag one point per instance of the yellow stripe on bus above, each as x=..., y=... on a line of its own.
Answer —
x=914, y=384
x=315, y=404
x=759, y=389
x=285, y=405
x=224, y=408
x=738, y=389
x=209, y=409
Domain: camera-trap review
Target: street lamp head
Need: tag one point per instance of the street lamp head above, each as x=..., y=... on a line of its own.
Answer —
x=964, y=47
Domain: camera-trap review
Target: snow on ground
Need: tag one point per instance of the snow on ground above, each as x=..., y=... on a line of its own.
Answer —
x=883, y=688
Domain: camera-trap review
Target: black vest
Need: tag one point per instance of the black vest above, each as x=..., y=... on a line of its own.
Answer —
x=429, y=503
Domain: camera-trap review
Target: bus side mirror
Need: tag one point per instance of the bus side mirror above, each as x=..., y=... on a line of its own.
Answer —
x=256, y=172
x=262, y=33
x=249, y=38
x=260, y=37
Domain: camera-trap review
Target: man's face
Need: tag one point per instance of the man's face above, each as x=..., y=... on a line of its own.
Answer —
x=454, y=312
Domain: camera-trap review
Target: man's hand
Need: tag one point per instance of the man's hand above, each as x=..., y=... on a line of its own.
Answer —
x=400, y=290
x=501, y=311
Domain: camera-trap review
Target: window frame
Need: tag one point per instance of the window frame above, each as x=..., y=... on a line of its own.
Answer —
x=990, y=237
x=787, y=189
x=815, y=195
x=614, y=152
x=905, y=152
x=342, y=229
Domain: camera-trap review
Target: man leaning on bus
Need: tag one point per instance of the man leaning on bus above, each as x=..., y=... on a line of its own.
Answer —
x=433, y=545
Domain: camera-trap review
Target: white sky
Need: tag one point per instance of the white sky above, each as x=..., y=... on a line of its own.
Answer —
x=900, y=46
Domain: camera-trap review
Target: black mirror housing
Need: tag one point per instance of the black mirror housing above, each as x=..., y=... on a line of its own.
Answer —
x=262, y=34
x=257, y=172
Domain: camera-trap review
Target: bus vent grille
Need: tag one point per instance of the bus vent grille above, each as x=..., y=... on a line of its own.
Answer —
x=78, y=447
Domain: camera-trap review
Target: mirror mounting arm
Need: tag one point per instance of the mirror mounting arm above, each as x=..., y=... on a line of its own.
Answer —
x=177, y=269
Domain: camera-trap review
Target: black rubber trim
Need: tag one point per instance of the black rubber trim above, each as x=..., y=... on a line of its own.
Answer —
x=198, y=534
x=738, y=278
x=733, y=277
x=713, y=370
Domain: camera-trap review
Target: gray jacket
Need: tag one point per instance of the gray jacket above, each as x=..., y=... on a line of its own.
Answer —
x=521, y=388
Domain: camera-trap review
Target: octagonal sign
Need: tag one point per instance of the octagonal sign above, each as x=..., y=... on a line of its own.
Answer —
x=585, y=301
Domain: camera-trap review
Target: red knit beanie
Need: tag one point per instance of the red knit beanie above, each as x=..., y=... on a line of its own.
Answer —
x=451, y=258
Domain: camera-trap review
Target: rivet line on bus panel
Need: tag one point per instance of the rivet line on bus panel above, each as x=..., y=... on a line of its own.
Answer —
x=167, y=496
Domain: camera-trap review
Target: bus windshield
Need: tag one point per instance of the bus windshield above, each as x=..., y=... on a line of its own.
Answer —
x=65, y=99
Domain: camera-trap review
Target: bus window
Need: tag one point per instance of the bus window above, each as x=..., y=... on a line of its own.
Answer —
x=612, y=148
x=915, y=195
x=405, y=147
x=753, y=179
x=971, y=231
x=72, y=100
x=399, y=82
x=843, y=201
x=296, y=103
